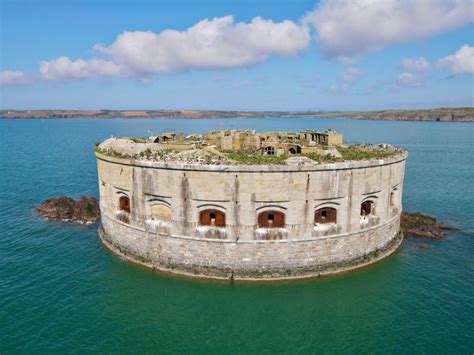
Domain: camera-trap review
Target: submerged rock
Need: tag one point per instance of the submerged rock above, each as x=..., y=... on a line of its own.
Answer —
x=416, y=224
x=64, y=208
x=423, y=246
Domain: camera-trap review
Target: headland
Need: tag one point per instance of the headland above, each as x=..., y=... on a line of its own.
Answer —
x=461, y=114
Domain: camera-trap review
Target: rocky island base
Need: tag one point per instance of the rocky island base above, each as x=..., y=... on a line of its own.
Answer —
x=85, y=210
x=417, y=224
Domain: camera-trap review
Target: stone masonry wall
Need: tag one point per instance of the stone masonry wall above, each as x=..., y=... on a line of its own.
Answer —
x=251, y=260
x=241, y=192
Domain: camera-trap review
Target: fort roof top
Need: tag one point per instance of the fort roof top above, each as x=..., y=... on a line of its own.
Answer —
x=229, y=147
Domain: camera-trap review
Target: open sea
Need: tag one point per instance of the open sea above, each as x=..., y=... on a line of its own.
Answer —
x=60, y=291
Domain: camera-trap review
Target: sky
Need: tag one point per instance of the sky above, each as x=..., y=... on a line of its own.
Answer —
x=291, y=55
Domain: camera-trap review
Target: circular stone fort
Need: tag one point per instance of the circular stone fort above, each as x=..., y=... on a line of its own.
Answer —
x=250, y=206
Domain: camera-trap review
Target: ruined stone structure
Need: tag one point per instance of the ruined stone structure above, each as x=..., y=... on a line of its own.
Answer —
x=249, y=222
x=272, y=143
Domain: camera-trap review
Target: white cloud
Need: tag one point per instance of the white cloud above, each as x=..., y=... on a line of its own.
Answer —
x=414, y=72
x=347, y=28
x=410, y=79
x=351, y=74
x=348, y=79
x=415, y=65
x=12, y=78
x=63, y=68
x=338, y=88
x=209, y=44
x=461, y=62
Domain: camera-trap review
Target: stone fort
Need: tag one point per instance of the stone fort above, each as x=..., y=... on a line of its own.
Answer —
x=250, y=206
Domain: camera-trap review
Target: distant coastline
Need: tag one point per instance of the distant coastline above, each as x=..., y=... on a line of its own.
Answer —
x=463, y=114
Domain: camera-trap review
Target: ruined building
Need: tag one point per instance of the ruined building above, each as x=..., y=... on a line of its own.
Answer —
x=273, y=143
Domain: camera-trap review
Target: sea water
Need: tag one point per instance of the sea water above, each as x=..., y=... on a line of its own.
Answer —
x=60, y=291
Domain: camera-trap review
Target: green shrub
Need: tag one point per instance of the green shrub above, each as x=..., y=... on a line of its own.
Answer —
x=355, y=152
x=256, y=159
x=322, y=158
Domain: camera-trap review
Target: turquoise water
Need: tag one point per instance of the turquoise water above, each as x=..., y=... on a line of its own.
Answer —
x=61, y=291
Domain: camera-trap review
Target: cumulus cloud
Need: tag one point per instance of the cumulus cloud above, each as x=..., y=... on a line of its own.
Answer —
x=461, y=62
x=12, y=78
x=209, y=44
x=415, y=64
x=338, y=88
x=351, y=74
x=410, y=79
x=63, y=68
x=347, y=28
x=414, y=72
x=348, y=78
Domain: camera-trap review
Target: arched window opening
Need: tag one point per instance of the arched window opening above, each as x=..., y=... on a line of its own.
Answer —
x=294, y=150
x=161, y=213
x=124, y=204
x=269, y=150
x=271, y=219
x=325, y=215
x=213, y=218
x=367, y=208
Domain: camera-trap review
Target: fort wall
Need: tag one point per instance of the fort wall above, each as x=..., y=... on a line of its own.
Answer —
x=167, y=201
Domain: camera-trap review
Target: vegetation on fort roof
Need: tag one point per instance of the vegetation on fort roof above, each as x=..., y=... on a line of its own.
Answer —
x=111, y=152
x=153, y=154
x=356, y=152
x=322, y=158
x=147, y=154
x=256, y=159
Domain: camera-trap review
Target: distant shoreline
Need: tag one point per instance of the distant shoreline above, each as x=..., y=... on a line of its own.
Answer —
x=464, y=114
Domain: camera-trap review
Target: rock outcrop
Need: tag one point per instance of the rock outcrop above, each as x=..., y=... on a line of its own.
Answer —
x=416, y=224
x=84, y=210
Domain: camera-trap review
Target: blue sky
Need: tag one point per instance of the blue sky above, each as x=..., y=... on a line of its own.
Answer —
x=247, y=55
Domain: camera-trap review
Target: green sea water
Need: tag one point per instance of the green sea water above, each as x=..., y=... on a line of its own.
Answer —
x=60, y=291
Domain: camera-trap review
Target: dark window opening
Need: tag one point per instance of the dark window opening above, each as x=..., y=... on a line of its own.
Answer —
x=271, y=219
x=295, y=150
x=213, y=218
x=325, y=215
x=392, y=202
x=124, y=204
x=269, y=150
x=366, y=208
